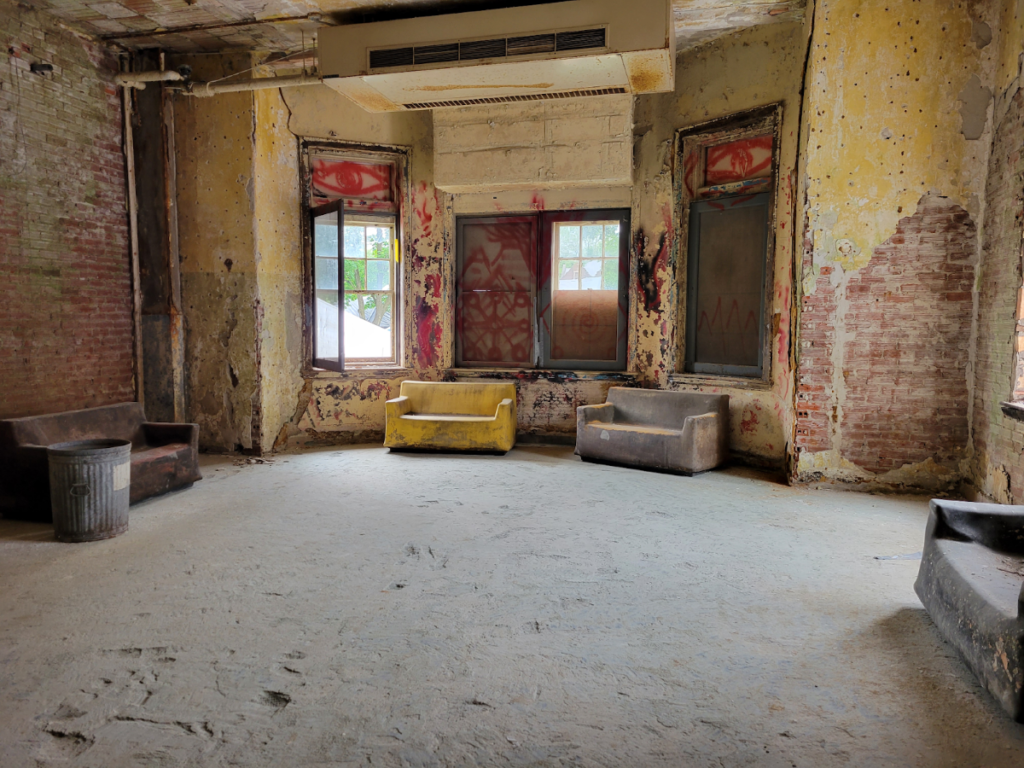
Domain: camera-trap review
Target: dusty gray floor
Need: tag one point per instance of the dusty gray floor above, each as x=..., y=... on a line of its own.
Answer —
x=351, y=607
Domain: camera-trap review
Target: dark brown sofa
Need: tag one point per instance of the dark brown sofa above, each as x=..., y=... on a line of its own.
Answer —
x=164, y=456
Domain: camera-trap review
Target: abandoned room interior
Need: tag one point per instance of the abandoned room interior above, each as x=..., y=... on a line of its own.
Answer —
x=262, y=218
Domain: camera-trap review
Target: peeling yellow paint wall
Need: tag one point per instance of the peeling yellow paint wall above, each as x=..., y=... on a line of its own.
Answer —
x=898, y=130
x=1009, y=35
x=748, y=69
x=278, y=262
x=216, y=201
x=349, y=407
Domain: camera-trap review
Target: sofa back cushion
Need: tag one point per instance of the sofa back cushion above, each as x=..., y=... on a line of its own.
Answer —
x=121, y=422
x=469, y=398
x=658, y=407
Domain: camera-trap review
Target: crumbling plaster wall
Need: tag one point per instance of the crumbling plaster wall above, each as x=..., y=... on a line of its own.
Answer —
x=215, y=173
x=278, y=264
x=996, y=470
x=748, y=69
x=328, y=407
x=897, y=129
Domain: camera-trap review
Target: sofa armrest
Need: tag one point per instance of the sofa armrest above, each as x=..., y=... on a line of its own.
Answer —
x=704, y=430
x=397, y=407
x=165, y=433
x=504, y=405
x=588, y=413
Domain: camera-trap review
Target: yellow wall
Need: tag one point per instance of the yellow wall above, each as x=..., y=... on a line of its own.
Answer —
x=216, y=199
x=886, y=83
x=278, y=262
x=748, y=69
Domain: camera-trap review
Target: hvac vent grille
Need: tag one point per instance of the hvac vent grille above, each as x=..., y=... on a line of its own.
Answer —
x=510, y=99
x=496, y=48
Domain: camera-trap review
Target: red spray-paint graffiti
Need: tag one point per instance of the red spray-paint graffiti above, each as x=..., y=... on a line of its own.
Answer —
x=494, y=313
x=332, y=179
x=428, y=333
x=420, y=206
x=739, y=160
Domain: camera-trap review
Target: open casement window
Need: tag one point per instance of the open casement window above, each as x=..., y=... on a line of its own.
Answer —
x=728, y=171
x=545, y=290
x=584, y=274
x=354, y=287
x=353, y=309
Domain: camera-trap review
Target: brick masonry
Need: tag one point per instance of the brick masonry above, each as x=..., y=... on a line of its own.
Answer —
x=905, y=365
x=997, y=470
x=65, y=284
x=883, y=377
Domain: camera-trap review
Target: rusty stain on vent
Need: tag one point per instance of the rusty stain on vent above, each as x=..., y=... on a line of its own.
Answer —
x=478, y=86
x=509, y=99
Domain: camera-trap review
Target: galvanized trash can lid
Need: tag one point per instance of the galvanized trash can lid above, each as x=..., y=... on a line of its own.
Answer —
x=85, y=447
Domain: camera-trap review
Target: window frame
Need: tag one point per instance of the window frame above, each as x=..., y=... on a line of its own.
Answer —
x=697, y=207
x=691, y=148
x=461, y=222
x=545, y=254
x=541, y=288
x=394, y=209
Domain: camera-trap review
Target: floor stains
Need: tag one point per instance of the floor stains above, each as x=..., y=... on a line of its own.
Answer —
x=541, y=612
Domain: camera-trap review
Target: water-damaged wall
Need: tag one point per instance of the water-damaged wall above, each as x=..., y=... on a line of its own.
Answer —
x=996, y=471
x=240, y=209
x=754, y=68
x=897, y=133
x=328, y=407
x=217, y=244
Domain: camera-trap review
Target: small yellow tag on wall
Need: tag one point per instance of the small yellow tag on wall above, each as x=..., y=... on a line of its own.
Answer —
x=398, y=253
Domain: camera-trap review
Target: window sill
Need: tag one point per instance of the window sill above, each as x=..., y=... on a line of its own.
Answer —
x=1013, y=409
x=725, y=382
x=540, y=374
x=377, y=372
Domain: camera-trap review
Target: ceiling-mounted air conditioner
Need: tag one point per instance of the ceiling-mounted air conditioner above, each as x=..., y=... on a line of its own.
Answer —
x=529, y=53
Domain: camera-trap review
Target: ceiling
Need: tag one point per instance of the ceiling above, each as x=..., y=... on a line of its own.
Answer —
x=189, y=26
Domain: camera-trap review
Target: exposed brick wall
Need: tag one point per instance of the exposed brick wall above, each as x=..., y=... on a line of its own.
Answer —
x=882, y=380
x=905, y=367
x=65, y=285
x=997, y=469
x=814, y=376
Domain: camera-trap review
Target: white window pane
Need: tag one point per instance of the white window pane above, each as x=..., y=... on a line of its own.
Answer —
x=378, y=242
x=568, y=241
x=592, y=237
x=355, y=246
x=327, y=325
x=378, y=275
x=368, y=326
x=325, y=236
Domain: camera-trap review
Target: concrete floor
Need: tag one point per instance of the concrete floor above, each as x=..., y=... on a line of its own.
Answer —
x=351, y=607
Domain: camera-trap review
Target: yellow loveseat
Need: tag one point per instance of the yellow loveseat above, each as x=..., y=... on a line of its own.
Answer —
x=452, y=416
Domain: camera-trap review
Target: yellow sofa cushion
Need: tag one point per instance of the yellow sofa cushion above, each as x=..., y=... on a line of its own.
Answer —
x=452, y=416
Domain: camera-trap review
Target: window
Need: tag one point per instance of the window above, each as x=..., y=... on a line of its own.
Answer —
x=726, y=192
x=353, y=312
x=725, y=285
x=545, y=290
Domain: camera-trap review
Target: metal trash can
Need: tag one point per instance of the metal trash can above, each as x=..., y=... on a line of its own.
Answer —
x=89, y=486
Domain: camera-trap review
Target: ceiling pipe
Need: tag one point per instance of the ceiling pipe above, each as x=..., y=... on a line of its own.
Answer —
x=255, y=84
x=138, y=80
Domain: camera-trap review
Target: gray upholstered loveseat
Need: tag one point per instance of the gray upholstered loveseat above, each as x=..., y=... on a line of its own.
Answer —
x=684, y=432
